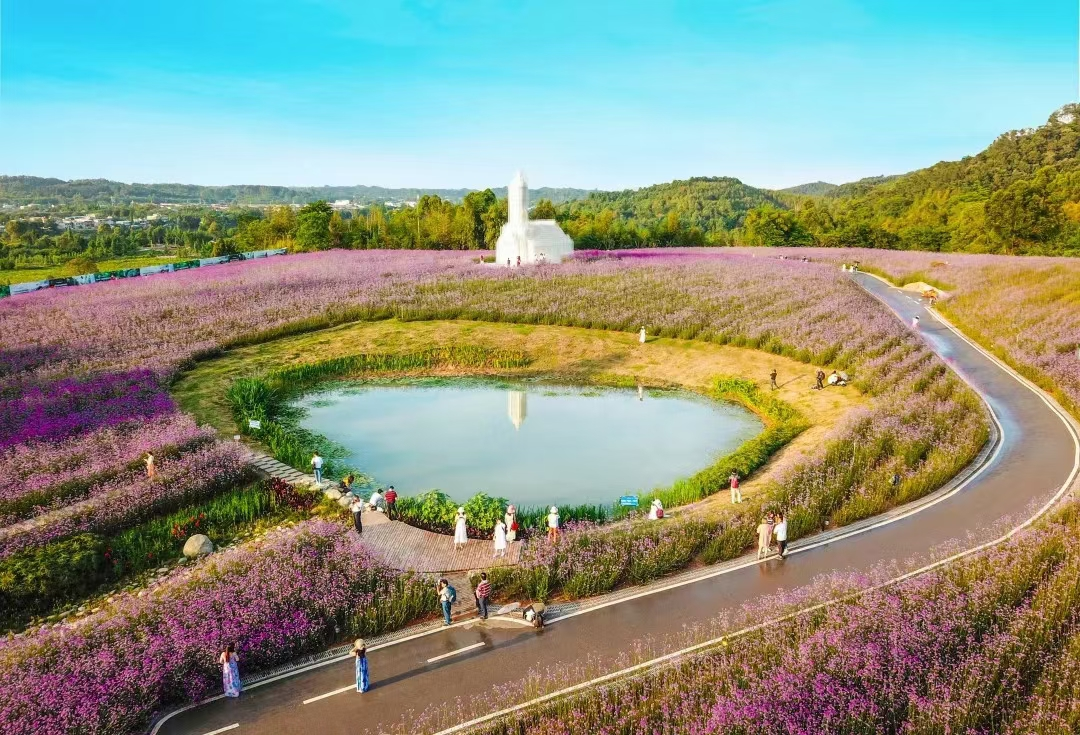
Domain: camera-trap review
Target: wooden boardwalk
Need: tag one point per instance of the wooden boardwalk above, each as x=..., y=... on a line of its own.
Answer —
x=403, y=546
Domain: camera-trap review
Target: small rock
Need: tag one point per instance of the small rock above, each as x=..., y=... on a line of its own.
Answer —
x=182, y=560
x=198, y=545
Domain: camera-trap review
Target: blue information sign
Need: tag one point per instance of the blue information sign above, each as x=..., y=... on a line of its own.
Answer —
x=629, y=501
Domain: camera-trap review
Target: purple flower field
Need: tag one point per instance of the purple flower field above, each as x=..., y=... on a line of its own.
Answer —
x=989, y=645
x=33, y=473
x=85, y=394
x=276, y=599
x=1023, y=308
x=127, y=499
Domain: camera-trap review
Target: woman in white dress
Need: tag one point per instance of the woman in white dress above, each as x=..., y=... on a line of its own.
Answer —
x=500, y=539
x=461, y=535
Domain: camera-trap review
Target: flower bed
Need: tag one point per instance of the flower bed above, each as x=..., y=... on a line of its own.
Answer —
x=127, y=499
x=62, y=408
x=293, y=593
x=39, y=473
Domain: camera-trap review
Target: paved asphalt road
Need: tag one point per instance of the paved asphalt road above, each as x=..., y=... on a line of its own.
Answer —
x=1036, y=458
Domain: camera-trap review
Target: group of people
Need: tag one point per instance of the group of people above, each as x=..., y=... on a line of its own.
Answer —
x=506, y=530
x=836, y=377
x=772, y=528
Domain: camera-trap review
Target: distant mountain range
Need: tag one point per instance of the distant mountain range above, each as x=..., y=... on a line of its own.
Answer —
x=21, y=190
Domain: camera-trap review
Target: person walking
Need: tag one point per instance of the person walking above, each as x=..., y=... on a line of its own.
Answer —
x=820, y=377
x=915, y=322
x=230, y=671
x=763, y=532
x=772, y=380
x=151, y=469
x=359, y=650
x=781, y=534
x=461, y=532
x=553, y=524
x=391, y=502
x=736, y=493
x=500, y=539
x=316, y=465
x=447, y=597
x=483, y=592
x=356, y=505
x=641, y=336
x=510, y=519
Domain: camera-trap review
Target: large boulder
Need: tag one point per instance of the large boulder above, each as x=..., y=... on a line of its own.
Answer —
x=333, y=493
x=345, y=500
x=198, y=545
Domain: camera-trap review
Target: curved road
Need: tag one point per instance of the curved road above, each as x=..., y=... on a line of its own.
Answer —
x=1036, y=459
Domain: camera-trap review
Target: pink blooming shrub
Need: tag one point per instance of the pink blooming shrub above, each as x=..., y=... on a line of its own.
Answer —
x=293, y=593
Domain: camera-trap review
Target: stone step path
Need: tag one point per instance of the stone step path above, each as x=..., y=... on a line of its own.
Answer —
x=403, y=546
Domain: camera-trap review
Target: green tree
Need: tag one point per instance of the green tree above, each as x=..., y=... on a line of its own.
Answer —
x=313, y=226
x=543, y=209
x=772, y=227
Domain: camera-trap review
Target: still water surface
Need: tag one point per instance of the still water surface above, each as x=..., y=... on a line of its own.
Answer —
x=533, y=444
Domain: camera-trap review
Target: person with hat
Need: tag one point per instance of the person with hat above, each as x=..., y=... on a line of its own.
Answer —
x=359, y=650
x=553, y=524
x=461, y=533
x=510, y=521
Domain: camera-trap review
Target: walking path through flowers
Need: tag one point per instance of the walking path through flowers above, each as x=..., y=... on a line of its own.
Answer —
x=1037, y=453
x=400, y=545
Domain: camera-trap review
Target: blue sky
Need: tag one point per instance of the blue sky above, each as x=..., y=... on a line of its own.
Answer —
x=458, y=93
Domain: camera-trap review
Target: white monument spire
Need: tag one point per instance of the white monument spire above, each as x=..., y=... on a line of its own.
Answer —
x=517, y=201
x=524, y=241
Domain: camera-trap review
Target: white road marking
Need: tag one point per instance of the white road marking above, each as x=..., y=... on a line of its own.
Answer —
x=455, y=653
x=223, y=729
x=351, y=687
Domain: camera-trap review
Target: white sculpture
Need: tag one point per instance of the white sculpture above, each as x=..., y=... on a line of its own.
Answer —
x=524, y=241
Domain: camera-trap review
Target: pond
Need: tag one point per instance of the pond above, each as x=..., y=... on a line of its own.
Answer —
x=534, y=444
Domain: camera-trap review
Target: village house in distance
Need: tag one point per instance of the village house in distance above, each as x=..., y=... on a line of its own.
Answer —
x=523, y=241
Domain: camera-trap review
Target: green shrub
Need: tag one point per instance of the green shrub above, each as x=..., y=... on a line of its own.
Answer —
x=40, y=581
x=35, y=581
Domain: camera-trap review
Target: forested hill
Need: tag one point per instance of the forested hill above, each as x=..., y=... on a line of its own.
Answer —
x=1020, y=195
x=21, y=190
x=693, y=212
x=817, y=188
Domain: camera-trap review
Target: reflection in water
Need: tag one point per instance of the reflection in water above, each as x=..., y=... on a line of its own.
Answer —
x=516, y=400
x=582, y=445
